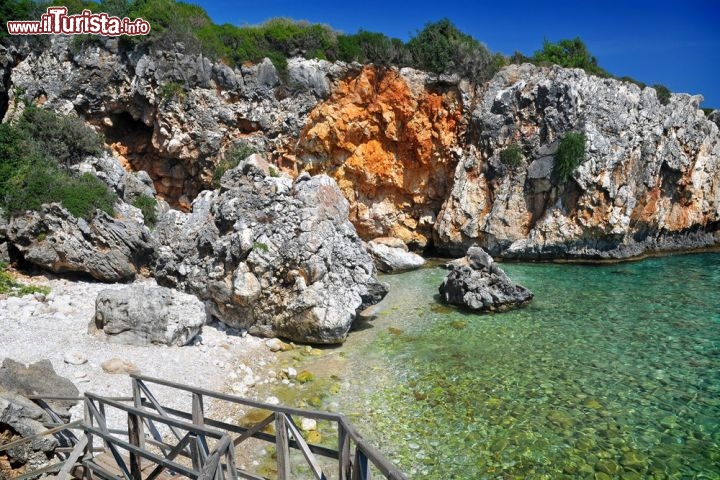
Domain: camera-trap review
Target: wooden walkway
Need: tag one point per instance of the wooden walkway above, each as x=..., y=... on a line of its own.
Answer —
x=163, y=443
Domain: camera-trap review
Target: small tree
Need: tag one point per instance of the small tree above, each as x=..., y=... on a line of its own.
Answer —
x=441, y=48
x=569, y=54
x=570, y=154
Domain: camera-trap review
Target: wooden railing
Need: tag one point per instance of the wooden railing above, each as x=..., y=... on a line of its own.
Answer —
x=353, y=455
x=163, y=440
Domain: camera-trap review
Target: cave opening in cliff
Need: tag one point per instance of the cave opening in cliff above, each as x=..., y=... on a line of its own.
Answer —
x=131, y=140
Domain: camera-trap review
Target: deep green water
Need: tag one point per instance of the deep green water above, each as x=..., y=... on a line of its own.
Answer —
x=612, y=371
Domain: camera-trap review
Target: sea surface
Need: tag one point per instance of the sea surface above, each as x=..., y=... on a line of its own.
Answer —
x=613, y=371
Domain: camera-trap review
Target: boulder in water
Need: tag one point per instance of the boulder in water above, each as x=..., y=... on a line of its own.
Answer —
x=478, y=284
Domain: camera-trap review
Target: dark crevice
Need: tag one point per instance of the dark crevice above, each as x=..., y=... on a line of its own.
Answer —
x=131, y=139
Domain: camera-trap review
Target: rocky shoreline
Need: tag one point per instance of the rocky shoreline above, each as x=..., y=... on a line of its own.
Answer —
x=54, y=327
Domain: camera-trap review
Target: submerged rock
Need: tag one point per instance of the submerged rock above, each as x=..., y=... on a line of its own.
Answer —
x=141, y=315
x=478, y=284
x=273, y=256
x=392, y=259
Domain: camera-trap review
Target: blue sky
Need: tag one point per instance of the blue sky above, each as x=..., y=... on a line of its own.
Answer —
x=673, y=43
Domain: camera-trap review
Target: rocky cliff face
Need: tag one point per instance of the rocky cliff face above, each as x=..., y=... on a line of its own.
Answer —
x=650, y=179
x=167, y=113
x=417, y=156
x=387, y=137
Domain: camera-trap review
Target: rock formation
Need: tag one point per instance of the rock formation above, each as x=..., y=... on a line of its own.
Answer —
x=392, y=256
x=388, y=138
x=166, y=112
x=273, y=256
x=648, y=181
x=22, y=418
x=106, y=248
x=475, y=282
x=418, y=156
x=141, y=315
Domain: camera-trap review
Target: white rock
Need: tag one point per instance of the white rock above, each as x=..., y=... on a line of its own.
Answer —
x=308, y=424
x=75, y=358
x=272, y=400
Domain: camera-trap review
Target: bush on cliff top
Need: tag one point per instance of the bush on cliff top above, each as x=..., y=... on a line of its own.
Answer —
x=569, y=53
x=34, y=155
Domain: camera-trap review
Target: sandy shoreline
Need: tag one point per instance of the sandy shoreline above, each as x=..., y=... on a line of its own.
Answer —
x=53, y=327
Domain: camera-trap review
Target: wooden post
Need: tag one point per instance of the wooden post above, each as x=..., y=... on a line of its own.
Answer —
x=198, y=418
x=134, y=439
x=343, y=452
x=137, y=401
x=282, y=447
x=360, y=466
x=87, y=421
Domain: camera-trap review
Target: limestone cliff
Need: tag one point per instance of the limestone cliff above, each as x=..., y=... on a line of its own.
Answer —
x=167, y=113
x=416, y=155
x=650, y=180
x=387, y=137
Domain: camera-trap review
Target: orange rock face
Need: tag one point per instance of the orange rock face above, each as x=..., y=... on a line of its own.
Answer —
x=387, y=140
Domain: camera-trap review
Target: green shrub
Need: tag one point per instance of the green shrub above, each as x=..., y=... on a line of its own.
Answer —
x=512, y=156
x=233, y=157
x=441, y=48
x=14, y=154
x=11, y=287
x=570, y=154
x=172, y=91
x=262, y=247
x=85, y=194
x=34, y=155
x=632, y=80
x=569, y=54
x=663, y=93
x=65, y=139
x=147, y=206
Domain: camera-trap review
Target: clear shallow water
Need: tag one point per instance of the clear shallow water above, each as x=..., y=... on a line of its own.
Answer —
x=612, y=371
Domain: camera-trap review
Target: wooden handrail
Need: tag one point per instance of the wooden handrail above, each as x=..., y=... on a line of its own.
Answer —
x=197, y=429
x=7, y=446
x=388, y=469
x=315, y=414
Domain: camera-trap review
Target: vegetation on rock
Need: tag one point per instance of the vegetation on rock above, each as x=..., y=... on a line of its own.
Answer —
x=147, y=206
x=570, y=154
x=34, y=158
x=11, y=287
x=233, y=157
x=569, y=54
x=663, y=94
x=512, y=156
x=440, y=47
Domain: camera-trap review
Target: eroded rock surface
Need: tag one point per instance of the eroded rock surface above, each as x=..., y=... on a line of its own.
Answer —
x=387, y=137
x=649, y=180
x=169, y=113
x=393, y=258
x=475, y=282
x=142, y=315
x=273, y=256
x=106, y=248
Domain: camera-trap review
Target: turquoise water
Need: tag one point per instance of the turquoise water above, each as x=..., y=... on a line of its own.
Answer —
x=612, y=371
